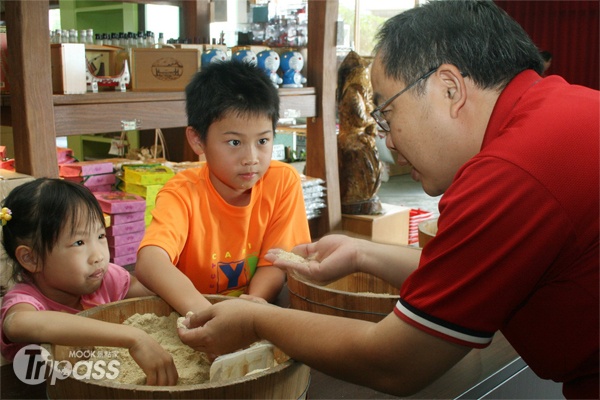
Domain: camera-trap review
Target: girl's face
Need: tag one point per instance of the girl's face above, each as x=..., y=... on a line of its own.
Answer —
x=238, y=150
x=76, y=265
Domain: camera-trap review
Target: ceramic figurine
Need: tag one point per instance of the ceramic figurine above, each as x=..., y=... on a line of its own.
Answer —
x=117, y=81
x=358, y=158
x=244, y=55
x=291, y=65
x=268, y=61
x=213, y=55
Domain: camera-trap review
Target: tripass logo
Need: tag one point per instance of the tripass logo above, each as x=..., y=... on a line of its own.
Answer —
x=33, y=365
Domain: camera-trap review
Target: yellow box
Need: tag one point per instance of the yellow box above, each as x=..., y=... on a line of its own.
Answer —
x=68, y=68
x=391, y=227
x=148, y=192
x=147, y=174
x=163, y=69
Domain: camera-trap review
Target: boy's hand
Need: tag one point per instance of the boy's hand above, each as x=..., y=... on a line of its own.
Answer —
x=155, y=361
x=255, y=299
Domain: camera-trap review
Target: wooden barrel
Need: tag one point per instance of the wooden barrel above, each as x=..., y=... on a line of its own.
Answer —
x=359, y=296
x=288, y=380
x=427, y=231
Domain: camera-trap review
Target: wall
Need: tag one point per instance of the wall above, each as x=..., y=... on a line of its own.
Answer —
x=567, y=29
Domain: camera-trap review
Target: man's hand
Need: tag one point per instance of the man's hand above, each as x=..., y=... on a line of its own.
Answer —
x=327, y=260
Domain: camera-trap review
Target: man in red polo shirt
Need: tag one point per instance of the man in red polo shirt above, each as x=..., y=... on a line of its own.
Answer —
x=515, y=155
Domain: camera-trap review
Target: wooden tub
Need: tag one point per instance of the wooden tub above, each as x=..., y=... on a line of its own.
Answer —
x=359, y=296
x=288, y=380
x=427, y=231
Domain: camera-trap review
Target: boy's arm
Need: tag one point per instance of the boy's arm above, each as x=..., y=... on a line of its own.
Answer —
x=24, y=324
x=155, y=270
x=137, y=289
x=267, y=283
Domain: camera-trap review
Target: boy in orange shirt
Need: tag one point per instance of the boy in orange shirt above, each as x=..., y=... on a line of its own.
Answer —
x=213, y=225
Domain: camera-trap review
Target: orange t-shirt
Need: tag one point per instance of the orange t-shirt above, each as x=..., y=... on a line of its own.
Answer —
x=217, y=245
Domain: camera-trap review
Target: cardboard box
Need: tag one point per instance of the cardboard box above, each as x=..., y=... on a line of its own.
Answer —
x=10, y=180
x=93, y=180
x=85, y=168
x=125, y=218
x=100, y=188
x=148, y=192
x=199, y=47
x=125, y=239
x=147, y=174
x=68, y=68
x=129, y=259
x=123, y=250
x=125, y=229
x=163, y=69
x=391, y=227
x=102, y=59
x=119, y=202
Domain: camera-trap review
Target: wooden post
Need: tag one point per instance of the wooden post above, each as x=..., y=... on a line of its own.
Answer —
x=196, y=20
x=32, y=109
x=321, y=142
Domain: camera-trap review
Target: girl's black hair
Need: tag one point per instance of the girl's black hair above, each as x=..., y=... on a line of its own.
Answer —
x=41, y=210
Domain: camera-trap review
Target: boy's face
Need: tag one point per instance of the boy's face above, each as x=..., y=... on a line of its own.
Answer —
x=238, y=151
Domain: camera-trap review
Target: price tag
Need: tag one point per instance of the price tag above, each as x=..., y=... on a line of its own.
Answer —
x=117, y=147
x=130, y=124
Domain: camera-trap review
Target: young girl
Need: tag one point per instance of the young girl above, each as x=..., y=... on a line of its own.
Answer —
x=53, y=231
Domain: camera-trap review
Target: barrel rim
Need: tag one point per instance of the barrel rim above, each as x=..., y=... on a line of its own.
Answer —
x=303, y=279
x=180, y=388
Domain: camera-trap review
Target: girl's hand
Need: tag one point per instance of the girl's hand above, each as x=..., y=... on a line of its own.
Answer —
x=327, y=260
x=155, y=361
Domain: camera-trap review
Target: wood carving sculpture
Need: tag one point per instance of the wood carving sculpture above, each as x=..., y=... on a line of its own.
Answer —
x=358, y=158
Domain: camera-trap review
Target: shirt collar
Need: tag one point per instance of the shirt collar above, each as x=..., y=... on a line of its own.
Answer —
x=508, y=99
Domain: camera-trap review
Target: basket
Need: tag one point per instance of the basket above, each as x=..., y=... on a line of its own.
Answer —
x=427, y=231
x=359, y=295
x=288, y=380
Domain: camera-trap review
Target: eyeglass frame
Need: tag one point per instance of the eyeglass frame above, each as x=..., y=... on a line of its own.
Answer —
x=377, y=113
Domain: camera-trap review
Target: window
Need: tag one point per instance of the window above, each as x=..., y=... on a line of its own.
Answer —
x=162, y=19
x=362, y=19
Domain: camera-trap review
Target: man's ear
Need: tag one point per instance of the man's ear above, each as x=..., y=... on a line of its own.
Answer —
x=193, y=139
x=26, y=257
x=455, y=87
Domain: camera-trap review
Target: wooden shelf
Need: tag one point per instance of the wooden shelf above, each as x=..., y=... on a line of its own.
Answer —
x=37, y=116
x=103, y=112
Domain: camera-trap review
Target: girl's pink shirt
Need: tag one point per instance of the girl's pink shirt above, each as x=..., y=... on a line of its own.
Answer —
x=114, y=287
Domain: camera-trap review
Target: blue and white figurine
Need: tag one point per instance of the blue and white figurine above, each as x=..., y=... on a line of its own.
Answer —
x=291, y=65
x=213, y=55
x=269, y=61
x=245, y=55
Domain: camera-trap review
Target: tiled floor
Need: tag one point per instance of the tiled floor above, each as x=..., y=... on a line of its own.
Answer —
x=402, y=190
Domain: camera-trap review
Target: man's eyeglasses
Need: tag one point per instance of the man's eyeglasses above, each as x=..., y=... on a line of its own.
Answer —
x=377, y=113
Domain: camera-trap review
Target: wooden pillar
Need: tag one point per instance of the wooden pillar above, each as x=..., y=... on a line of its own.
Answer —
x=321, y=143
x=32, y=109
x=196, y=20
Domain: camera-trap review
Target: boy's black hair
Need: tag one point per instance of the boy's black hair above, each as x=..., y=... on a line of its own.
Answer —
x=41, y=210
x=229, y=87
